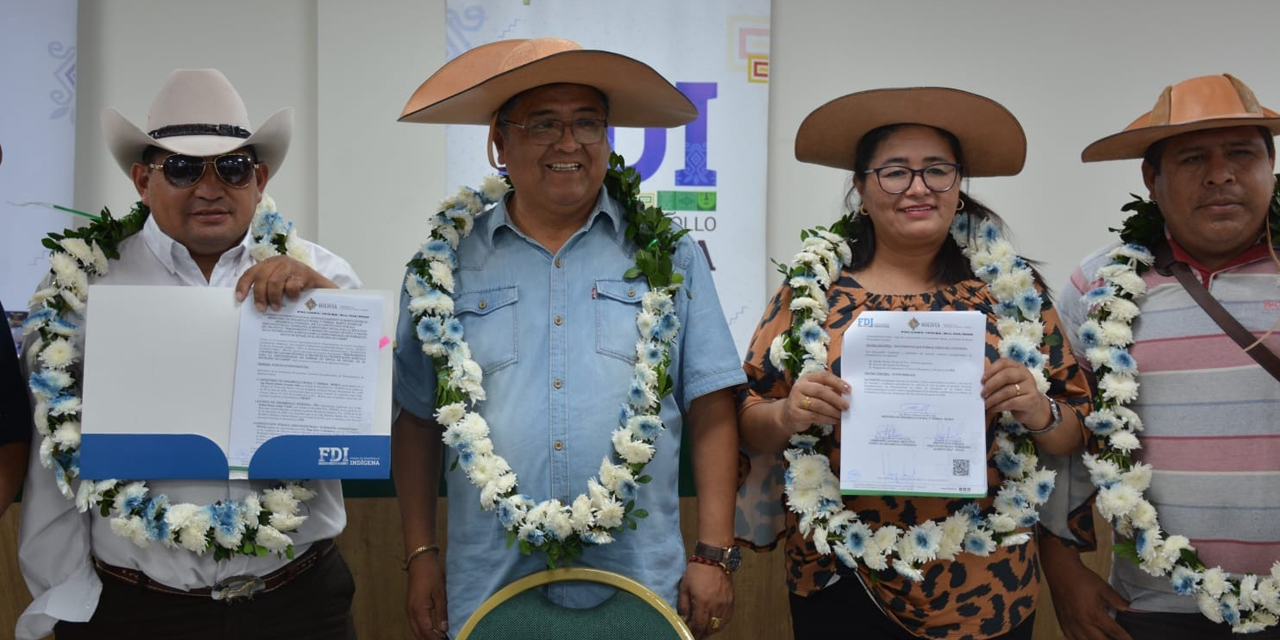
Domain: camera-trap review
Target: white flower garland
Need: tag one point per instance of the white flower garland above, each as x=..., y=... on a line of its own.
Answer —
x=1249, y=603
x=550, y=526
x=812, y=489
x=255, y=525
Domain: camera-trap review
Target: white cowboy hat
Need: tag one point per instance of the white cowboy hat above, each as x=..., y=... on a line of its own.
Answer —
x=470, y=88
x=197, y=113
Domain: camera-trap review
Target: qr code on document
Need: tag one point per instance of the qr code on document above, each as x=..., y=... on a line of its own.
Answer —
x=960, y=467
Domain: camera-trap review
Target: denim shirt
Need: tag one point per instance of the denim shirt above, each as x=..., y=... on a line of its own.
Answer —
x=556, y=336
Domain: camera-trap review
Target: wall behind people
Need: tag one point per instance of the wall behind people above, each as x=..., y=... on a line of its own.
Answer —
x=360, y=183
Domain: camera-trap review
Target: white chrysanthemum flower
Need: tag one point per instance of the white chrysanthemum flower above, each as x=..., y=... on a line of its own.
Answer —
x=286, y=522
x=297, y=249
x=813, y=366
x=1124, y=441
x=64, y=268
x=907, y=571
x=46, y=453
x=75, y=300
x=1132, y=252
x=1001, y=522
x=79, y=249
x=451, y=413
x=609, y=515
x=581, y=517
x=818, y=352
x=1129, y=416
x=1122, y=310
x=442, y=275
x=1015, y=540
x=1131, y=283
x=272, y=539
x=631, y=450
x=1214, y=582
x=414, y=287
x=59, y=354
x=1117, y=501
x=1209, y=606
x=1042, y=383
x=496, y=489
x=808, y=472
x=645, y=322
x=817, y=306
x=778, y=352
x=1138, y=477
x=84, y=495
x=1143, y=516
x=132, y=492
x=67, y=435
x=100, y=263
x=803, y=501
x=1117, y=333
x=820, y=542
x=131, y=528
x=449, y=234
x=493, y=188
x=1009, y=284
x=1119, y=387
x=613, y=474
x=250, y=509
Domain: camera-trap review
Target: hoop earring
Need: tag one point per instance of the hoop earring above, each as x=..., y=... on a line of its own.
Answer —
x=960, y=207
x=862, y=210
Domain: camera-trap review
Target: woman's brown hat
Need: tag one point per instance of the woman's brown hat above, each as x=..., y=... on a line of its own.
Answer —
x=993, y=141
x=470, y=88
x=1206, y=102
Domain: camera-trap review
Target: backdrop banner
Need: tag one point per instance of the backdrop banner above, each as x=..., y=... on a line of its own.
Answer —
x=38, y=138
x=709, y=174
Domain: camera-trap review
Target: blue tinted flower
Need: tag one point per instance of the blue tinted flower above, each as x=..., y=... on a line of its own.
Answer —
x=1090, y=336
x=989, y=231
x=1120, y=360
x=1184, y=580
x=440, y=250
x=1043, y=489
x=856, y=540
x=1036, y=360
x=668, y=324
x=1007, y=309
x=652, y=354
x=47, y=384
x=429, y=330
x=453, y=330
x=533, y=535
x=157, y=526
x=597, y=537
x=1230, y=614
x=988, y=272
x=636, y=394
x=507, y=513
x=627, y=489
x=1029, y=303
x=810, y=333
x=1102, y=423
x=37, y=319
x=1017, y=352
x=466, y=456
x=1142, y=540
x=625, y=414
x=225, y=516
x=1028, y=518
x=648, y=427
x=1099, y=295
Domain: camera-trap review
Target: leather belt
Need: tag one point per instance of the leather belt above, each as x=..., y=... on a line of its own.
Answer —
x=232, y=589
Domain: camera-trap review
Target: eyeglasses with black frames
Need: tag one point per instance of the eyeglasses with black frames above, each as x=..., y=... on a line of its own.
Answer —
x=938, y=177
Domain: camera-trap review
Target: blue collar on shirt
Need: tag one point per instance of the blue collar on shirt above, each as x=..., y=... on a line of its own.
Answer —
x=166, y=248
x=498, y=217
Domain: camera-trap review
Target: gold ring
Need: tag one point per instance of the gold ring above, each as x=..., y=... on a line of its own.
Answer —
x=1017, y=389
x=807, y=401
x=715, y=622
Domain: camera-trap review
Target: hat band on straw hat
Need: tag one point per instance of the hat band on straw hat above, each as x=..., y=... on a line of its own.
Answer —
x=227, y=130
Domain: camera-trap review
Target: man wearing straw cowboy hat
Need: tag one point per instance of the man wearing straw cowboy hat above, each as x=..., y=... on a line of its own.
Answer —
x=551, y=318
x=1198, y=374
x=202, y=173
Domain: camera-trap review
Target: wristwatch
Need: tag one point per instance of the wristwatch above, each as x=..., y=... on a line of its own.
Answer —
x=727, y=558
x=1055, y=412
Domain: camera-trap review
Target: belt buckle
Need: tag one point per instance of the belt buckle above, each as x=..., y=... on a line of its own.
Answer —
x=237, y=588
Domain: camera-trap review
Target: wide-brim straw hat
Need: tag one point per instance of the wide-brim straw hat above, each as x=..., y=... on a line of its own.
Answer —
x=470, y=88
x=992, y=139
x=1206, y=102
x=197, y=113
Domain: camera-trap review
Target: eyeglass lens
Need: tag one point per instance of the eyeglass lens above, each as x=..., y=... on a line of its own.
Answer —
x=184, y=171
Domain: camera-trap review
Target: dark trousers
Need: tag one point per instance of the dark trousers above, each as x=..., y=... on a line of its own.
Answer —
x=316, y=606
x=1180, y=626
x=845, y=610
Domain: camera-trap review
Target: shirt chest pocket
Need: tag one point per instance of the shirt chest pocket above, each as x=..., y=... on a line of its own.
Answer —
x=490, y=320
x=617, y=303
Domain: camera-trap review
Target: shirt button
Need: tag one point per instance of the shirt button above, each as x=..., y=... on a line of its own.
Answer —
x=557, y=263
x=559, y=321
x=631, y=293
x=559, y=445
x=483, y=304
x=557, y=383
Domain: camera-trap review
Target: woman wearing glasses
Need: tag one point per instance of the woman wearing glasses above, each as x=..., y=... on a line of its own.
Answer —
x=905, y=566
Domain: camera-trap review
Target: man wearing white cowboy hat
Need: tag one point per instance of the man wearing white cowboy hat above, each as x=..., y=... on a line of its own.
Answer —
x=545, y=302
x=202, y=174
x=1172, y=324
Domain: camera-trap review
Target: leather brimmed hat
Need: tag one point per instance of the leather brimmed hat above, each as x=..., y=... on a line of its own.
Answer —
x=993, y=141
x=470, y=88
x=197, y=113
x=1206, y=102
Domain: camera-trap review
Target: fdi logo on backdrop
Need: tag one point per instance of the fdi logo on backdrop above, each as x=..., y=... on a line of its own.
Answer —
x=334, y=455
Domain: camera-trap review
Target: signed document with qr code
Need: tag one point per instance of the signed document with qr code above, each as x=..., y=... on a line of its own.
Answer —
x=915, y=423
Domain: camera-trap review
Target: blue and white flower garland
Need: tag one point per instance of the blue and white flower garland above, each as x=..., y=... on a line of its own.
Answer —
x=592, y=518
x=256, y=525
x=1248, y=603
x=812, y=489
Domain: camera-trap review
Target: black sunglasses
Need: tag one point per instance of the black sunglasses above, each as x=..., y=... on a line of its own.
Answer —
x=235, y=169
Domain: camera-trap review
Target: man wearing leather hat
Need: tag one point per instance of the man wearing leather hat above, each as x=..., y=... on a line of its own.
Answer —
x=181, y=558
x=558, y=319
x=1176, y=322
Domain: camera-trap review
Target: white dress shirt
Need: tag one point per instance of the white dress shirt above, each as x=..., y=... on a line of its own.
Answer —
x=56, y=542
